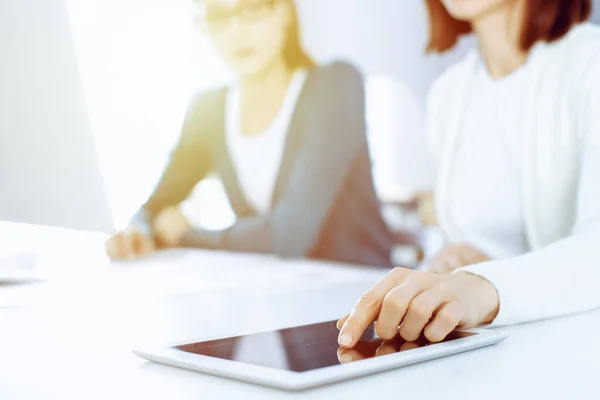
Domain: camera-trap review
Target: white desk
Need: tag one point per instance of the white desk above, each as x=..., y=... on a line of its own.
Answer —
x=104, y=309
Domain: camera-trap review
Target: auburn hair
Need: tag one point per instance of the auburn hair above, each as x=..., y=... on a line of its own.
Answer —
x=545, y=20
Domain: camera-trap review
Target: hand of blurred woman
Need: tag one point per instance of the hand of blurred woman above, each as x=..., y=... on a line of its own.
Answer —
x=414, y=303
x=456, y=256
x=170, y=226
x=129, y=244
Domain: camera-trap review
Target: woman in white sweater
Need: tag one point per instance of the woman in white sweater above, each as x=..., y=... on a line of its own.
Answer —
x=516, y=128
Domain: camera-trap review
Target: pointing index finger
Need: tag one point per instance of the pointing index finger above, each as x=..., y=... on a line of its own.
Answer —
x=367, y=308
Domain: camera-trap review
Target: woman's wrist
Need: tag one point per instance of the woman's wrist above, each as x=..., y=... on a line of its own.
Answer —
x=170, y=227
x=490, y=299
x=485, y=296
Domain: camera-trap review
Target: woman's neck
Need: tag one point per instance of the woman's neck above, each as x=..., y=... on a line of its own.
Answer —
x=499, y=33
x=262, y=96
x=267, y=84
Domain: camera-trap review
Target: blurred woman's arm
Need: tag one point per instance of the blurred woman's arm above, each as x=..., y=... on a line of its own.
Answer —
x=190, y=161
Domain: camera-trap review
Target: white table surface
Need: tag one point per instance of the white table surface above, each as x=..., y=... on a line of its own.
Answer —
x=70, y=338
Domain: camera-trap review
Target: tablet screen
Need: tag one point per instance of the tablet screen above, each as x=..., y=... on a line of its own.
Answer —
x=303, y=348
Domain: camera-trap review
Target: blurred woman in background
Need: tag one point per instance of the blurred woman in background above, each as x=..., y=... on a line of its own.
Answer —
x=288, y=141
x=516, y=127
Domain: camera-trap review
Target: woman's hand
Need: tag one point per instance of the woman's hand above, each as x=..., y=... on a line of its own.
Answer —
x=129, y=245
x=170, y=226
x=415, y=302
x=456, y=256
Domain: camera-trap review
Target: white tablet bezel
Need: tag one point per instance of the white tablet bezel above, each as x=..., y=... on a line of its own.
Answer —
x=290, y=380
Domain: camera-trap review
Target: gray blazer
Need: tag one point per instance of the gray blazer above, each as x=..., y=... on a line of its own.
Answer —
x=324, y=204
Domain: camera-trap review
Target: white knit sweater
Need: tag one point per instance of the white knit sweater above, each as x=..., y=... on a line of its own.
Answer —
x=560, y=134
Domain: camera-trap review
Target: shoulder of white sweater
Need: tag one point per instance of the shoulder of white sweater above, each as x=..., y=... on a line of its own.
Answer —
x=582, y=38
x=576, y=58
x=577, y=49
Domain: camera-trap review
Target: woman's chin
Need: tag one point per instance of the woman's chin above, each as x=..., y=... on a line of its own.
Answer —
x=460, y=14
x=470, y=10
x=247, y=67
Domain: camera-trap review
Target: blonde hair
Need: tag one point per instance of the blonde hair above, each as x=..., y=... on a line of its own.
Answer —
x=294, y=52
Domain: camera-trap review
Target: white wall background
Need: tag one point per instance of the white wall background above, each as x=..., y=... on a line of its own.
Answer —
x=48, y=169
x=135, y=58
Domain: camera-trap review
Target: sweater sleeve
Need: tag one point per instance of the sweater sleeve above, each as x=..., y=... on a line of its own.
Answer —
x=189, y=162
x=563, y=277
x=335, y=136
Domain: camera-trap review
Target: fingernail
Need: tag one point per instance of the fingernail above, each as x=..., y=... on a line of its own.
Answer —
x=345, y=339
x=346, y=358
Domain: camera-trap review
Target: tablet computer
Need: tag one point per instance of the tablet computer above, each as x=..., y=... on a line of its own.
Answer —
x=303, y=357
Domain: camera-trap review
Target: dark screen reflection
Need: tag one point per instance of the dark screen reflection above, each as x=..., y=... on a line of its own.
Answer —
x=303, y=348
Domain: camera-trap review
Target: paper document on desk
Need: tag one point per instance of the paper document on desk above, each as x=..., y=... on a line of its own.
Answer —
x=18, y=268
